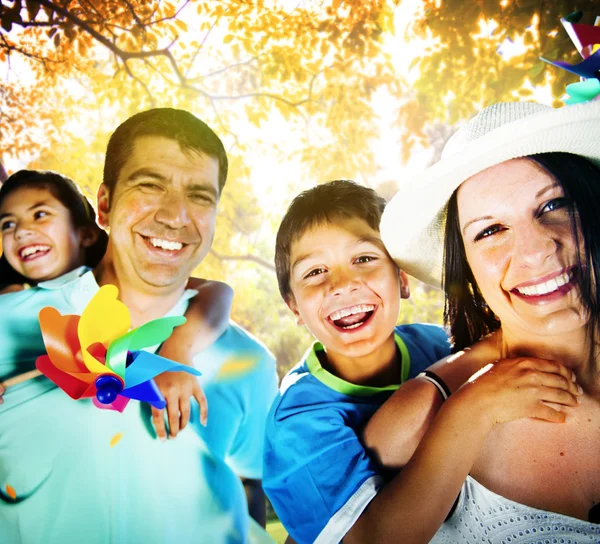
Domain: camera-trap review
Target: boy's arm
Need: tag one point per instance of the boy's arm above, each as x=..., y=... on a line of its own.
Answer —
x=396, y=429
x=207, y=318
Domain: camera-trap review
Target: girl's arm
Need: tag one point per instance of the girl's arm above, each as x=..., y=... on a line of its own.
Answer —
x=207, y=319
x=414, y=504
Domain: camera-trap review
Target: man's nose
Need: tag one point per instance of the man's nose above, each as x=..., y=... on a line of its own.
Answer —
x=173, y=211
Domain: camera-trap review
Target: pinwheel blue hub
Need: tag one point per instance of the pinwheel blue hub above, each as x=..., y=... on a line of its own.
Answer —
x=108, y=387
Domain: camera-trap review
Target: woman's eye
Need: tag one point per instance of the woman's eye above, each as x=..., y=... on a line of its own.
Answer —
x=555, y=204
x=488, y=231
x=365, y=259
x=40, y=214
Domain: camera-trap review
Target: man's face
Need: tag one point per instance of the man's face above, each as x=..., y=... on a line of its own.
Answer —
x=161, y=213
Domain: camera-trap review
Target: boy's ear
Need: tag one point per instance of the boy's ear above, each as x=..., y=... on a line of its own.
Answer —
x=89, y=236
x=103, y=205
x=404, y=286
x=291, y=303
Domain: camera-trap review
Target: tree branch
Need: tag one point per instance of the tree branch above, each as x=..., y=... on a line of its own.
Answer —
x=252, y=258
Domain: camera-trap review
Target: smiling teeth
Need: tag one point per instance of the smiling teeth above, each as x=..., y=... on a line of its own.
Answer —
x=166, y=244
x=33, y=249
x=546, y=287
x=359, y=308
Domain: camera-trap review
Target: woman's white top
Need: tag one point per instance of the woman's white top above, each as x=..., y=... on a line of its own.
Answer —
x=482, y=516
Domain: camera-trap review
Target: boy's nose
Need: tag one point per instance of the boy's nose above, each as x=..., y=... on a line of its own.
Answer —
x=344, y=283
x=22, y=232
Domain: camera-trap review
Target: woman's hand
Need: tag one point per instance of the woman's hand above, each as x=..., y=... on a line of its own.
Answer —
x=519, y=388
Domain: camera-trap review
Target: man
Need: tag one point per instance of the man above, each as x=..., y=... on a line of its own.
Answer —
x=72, y=473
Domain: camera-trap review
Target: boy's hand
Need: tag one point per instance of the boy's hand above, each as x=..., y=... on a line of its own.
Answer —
x=522, y=387
x=178, y=388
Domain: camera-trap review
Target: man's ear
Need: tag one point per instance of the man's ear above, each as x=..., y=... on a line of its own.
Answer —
x=291, y=303
x=404, y=286
x=103, y=205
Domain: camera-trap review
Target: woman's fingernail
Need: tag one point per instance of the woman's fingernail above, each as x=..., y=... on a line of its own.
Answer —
x=580, y=389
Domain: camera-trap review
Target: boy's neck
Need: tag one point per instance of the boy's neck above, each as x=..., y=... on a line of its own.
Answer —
x=378, y=368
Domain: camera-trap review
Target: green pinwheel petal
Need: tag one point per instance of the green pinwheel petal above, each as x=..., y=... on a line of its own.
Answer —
x=152, y=333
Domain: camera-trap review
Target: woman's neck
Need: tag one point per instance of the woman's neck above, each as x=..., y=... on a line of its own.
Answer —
x=573, y=349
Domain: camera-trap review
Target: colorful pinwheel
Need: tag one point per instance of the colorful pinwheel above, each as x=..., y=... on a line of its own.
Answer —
x=96, y=355
x=586, y=39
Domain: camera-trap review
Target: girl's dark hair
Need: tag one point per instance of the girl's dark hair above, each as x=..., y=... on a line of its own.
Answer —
x=68, y=194
x=466, y=312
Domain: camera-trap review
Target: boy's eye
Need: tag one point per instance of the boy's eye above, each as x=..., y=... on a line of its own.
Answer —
x=365, y=259
x=314, y=272
x=40, y=214
x=7, y=225
x=488, y=231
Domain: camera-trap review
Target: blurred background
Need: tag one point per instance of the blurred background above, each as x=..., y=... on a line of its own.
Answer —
x=300, y=91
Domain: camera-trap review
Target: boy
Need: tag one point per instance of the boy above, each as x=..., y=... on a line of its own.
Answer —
x=337, y=278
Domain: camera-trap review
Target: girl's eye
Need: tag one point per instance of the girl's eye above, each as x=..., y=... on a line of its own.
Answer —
x=40, y=214
x=554, y=204
x=7, y=225
x=365, y=259
x=314, y=272
x=488, y=231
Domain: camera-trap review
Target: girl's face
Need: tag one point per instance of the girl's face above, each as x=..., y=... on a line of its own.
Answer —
x=517, y=231
x=38, y=236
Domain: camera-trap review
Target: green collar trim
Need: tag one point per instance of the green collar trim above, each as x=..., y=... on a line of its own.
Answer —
x=347, y=388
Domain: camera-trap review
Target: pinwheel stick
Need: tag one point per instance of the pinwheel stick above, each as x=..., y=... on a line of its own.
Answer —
x=16, y=380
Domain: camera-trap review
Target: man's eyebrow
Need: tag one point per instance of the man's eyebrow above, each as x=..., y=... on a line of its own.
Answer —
x=32, y=207
x=146, y=173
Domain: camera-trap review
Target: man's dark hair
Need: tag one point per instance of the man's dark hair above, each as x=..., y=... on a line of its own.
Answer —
x=320, y=205
x=466, y=312
x=65, y=190
x=186, y=129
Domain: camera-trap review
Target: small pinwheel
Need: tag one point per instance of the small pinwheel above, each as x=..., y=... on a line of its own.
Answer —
x=586, y=39
x=96, y=355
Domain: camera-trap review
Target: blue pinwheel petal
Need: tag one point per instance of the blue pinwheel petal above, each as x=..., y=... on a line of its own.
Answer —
x=148, y=392
x=146, y=366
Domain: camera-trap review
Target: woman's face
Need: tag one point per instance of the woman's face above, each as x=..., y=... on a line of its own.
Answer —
x=516, y=227
x=38, y=237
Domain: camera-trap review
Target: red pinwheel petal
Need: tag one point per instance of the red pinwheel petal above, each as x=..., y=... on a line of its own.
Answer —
x=76, y=387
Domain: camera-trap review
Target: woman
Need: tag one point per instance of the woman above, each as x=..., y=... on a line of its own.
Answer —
x=511, y=215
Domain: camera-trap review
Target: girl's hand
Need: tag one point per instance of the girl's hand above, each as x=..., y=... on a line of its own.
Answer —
x=520, y=388
x=178, y=388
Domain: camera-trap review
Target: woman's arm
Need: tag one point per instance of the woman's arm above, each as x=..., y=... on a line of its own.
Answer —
x=417, y=500
x=207, y=319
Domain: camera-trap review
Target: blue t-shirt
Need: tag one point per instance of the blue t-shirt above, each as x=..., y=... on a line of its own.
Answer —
x=317, y=473
x=71, y=473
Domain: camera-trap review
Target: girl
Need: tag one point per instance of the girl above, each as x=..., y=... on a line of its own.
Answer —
x=49, y=228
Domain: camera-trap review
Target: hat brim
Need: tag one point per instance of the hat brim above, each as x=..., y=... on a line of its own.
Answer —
x=413, y=223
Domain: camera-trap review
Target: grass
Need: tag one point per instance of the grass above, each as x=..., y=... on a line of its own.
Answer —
x=277, y=532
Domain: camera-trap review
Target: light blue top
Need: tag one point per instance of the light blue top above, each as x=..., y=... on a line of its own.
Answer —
x=318, y=475
x=81, y=474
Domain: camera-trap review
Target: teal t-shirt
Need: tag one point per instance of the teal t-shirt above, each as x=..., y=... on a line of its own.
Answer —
x=71, y=473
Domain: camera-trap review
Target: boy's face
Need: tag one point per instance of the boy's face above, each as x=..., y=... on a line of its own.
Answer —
x=345, y=287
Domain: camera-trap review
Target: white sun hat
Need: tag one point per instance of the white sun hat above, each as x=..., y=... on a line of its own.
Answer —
x=413, y=223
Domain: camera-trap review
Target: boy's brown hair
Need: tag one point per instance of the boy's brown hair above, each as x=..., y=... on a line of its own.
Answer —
x=320, y=205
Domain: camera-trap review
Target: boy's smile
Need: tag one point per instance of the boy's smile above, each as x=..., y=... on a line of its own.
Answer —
x=345, y=288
